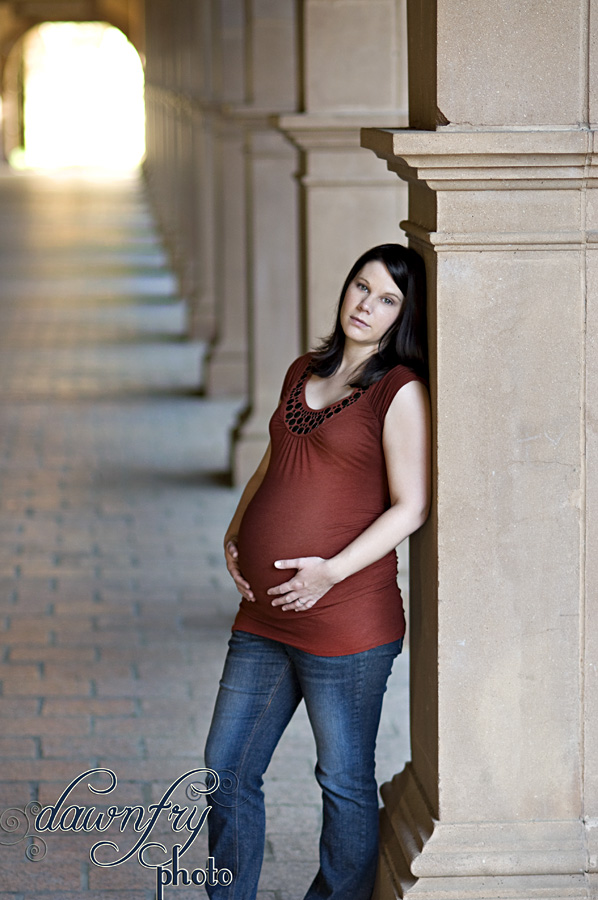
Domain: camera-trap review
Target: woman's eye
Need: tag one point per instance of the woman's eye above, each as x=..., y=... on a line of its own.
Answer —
x=361, y=286
x=388, y=300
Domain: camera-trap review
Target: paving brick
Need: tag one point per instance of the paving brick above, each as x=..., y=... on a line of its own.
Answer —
x=15, y=795
x=79, y=895
x=173, y=746
x=39, y=725
x=62, y=872
x=93, y=670
x=18, y=706
x=129, y=876
x=17, y=748
x=156, y=727
x=51, y=687
x=67, y=706
x=88, y=748
x=301, y=846
x=25, y=632
x=59, y=655
x=125, y=794
x=38, y=770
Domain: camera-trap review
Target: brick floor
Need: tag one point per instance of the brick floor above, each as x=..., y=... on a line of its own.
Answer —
x=115, y=607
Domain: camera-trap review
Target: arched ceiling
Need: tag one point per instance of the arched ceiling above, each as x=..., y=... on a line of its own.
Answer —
x=17, y=16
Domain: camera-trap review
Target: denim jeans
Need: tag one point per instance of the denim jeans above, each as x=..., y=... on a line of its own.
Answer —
x=262, y=684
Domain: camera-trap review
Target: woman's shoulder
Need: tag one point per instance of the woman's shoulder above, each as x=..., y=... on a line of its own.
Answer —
x=382, y=392
x=295, y=371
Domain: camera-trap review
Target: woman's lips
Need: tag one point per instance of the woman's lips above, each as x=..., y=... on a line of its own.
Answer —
x=359, y=322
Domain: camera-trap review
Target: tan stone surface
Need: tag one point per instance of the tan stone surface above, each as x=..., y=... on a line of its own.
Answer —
x=508, y=388
x=226, y=369
x=508, y=64
x=273, y=289
x=230, y=22
x=351, y=55
x=272, y=79
x=509, y=465
x=590, y=650
x=593, y=65
x=344, y=223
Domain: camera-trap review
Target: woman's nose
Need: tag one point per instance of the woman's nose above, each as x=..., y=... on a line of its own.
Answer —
x=364, y=303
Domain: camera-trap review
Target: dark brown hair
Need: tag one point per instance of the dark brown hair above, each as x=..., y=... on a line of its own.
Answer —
x=405, y=342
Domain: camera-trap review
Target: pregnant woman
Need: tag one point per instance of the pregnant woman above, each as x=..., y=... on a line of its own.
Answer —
x=311, y=549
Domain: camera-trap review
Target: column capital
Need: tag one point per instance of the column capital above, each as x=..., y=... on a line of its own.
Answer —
x=330, y=131
x=475, y=176
x=493, y=159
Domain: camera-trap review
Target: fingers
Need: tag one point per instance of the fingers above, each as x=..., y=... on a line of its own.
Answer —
x=293, y=600
x=232, y=554
x=289, y=596
x=240, y=581
x=298, y=605
x=284, y=588
x=244, y=589
x=231, y=548
x=289, y=563
x=242, y=585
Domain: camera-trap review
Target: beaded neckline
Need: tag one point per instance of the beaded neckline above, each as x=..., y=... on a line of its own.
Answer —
x=300, y=419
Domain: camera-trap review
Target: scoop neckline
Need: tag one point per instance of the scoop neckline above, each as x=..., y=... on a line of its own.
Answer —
x=306, y=376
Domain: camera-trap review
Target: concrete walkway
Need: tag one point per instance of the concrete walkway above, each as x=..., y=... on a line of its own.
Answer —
x=115, y=605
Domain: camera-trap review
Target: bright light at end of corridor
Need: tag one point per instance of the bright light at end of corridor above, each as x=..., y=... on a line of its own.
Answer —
x=83, y=98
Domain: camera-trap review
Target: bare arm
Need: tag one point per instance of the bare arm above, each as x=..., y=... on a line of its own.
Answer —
x=406, y=442
x=231, y=552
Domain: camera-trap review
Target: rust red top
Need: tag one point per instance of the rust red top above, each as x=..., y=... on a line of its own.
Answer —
x=326, y=482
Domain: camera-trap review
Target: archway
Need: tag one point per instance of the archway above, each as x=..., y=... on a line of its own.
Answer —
x=74, y=97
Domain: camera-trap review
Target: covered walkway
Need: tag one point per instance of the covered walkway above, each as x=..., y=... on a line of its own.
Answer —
x=115, y=604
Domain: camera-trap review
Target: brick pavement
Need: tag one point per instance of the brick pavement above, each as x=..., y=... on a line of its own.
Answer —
x=115, y=607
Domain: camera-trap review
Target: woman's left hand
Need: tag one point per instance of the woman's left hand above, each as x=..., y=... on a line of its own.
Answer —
x=311, y=581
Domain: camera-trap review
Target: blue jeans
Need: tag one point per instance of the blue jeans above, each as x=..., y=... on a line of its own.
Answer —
x=262, y=684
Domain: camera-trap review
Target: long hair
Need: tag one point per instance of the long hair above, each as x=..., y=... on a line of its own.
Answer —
x=405, y=342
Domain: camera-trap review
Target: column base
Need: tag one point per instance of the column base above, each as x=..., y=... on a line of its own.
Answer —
x=422, y=857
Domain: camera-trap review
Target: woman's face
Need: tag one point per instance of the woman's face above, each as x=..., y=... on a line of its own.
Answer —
x=371, y=305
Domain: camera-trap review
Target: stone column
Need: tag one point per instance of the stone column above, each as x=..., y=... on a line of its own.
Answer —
x=355, y=73
x=200, y=92
x=226, y=369
x=272, y=222
x=501, y=796
x=179, y=93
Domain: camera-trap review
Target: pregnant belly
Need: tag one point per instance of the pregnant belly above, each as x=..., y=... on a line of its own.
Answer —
x=262, y=543
x=275, y=527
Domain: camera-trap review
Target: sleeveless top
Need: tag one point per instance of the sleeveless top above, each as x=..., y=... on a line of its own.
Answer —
x=326, y=483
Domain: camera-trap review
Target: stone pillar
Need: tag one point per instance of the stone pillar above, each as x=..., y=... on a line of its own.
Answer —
x=501, y=796
x=272, y=222
x=200, y=92
x=354, y=64
x=179, y=164
x=355, y=72
x=226, y=369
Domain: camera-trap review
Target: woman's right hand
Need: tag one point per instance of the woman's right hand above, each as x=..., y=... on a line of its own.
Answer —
x=231, y=554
